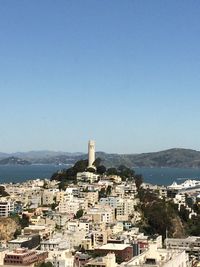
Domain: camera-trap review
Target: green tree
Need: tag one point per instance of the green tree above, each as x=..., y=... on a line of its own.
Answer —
x=194, y=226
x=102, y=193
x=138, y=180
x=97, y=162
x=101, y=169
x=17, y=232
x=108, y=190
x=184, y=213
x=3, y=193
x=69, y=175
x=24, y=221
x=79, y=214
x=45, y=185
x=53, y=206
x=112, y=171
x=62, y=185
x=125, y=172
x=80, y=166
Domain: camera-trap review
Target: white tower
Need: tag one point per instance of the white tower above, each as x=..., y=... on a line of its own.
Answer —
x=91, y=153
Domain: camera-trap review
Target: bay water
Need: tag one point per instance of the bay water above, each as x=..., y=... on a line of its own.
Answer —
x=165, y=176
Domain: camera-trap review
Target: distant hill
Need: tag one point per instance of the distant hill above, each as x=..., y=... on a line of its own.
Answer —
x=176, y=157
x=14, y=161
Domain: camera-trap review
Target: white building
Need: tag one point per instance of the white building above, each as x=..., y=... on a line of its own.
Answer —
x=189, y=244
x=6, y=208
x=87, y=177
x=73, y=205
x=159, y=257
x=101, y=214
x=47, y=197
x=54, y=244
x=188, y=184
x=107, y=261
x=180, y=200
x=61, y=258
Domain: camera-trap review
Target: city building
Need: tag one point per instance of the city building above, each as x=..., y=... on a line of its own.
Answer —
x=191, y=244
x=6, y=208
x=124, y=252
x=87, y=177
x=107, y=261
x=24, y=257
x=158, y=257
x=28, y=241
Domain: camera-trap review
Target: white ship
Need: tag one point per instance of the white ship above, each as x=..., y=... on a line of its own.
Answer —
x=188, y=184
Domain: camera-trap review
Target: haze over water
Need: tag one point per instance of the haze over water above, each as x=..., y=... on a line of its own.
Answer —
x=159, y=176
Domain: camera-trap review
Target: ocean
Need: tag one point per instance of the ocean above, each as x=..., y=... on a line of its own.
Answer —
x=165, y=176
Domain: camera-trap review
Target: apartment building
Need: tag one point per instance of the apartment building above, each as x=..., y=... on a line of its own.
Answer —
x=23, y=256
x=6, y=208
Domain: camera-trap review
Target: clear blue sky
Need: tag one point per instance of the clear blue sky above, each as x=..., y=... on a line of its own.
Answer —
x=125, y=73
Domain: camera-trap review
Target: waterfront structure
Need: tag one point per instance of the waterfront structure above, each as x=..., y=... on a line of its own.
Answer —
x=91, y=153
x=187, y=185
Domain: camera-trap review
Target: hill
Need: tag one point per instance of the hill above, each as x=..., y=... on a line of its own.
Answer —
x=14, y=161
x=176, y=157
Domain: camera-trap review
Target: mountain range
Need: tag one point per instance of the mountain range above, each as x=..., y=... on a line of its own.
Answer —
x=176, y=157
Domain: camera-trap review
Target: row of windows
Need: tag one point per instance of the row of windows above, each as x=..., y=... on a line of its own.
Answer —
x=12, y=261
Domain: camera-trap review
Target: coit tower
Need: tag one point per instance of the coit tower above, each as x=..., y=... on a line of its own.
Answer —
x=91, y=153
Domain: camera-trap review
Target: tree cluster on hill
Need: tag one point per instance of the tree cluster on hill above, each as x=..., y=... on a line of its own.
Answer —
x=3, y=193
x=159, y=215
x=69, y=175
x=22, y=221
x=122, y=171
x=192, y=225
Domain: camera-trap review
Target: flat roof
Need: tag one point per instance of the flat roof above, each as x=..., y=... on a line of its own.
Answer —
x=18, y=241
x=52, y=241
x=113, y=246
x=35, y=227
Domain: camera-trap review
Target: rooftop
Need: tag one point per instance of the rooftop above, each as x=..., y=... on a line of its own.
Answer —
x=113, y=246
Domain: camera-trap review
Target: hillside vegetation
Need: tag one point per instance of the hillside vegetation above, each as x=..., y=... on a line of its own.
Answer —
x=176, y=157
